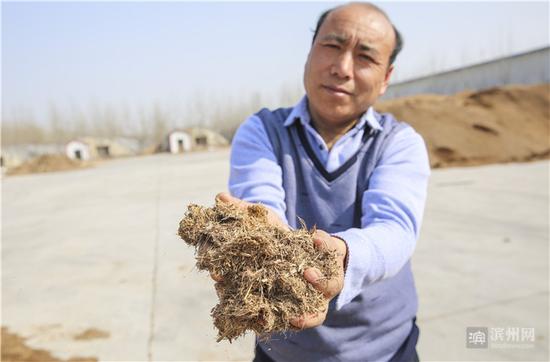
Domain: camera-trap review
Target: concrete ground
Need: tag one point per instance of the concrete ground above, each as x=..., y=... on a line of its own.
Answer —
x=97, y=249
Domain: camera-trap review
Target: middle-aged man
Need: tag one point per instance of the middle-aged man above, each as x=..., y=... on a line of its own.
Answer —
x=359, y=176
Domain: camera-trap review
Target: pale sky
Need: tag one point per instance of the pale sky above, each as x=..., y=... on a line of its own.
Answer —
x=76, y=54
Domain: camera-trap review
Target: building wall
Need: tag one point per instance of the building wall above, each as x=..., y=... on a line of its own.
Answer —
x=115, y=148
x=205, y=138
x=526, y=68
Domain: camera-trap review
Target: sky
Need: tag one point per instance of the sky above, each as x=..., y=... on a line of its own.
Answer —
x=77, y=55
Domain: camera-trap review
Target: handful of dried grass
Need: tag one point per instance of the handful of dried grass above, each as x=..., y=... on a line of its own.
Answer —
x=261, y=265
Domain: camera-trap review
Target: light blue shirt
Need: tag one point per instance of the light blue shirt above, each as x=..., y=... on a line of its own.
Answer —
x=392, y=207
x=345, y=146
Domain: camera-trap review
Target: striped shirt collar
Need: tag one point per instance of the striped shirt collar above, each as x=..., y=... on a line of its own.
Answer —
x=301, y=112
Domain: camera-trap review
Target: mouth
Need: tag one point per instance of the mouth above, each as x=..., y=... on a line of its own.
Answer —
x=336, y=90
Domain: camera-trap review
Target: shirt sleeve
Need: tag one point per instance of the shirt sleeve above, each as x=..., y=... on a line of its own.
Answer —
x=392, y=210
x=255, y=174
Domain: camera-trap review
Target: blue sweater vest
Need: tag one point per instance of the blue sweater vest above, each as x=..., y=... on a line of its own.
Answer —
x=377, y=322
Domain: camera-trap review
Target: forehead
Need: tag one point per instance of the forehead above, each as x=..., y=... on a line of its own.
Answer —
x=359, y=24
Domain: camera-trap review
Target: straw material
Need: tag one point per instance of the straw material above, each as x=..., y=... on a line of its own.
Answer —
x=261, y=266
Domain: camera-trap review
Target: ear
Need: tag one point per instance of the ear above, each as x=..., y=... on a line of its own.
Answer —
x=386, y=81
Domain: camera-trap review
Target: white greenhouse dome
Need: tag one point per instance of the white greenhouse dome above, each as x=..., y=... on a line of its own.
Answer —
x=77, y=150
x=178, y=142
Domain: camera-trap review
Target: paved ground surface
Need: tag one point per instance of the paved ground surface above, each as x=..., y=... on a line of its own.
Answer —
x=97, y=248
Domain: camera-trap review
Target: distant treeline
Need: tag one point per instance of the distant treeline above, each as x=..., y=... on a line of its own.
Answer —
x=148, y=125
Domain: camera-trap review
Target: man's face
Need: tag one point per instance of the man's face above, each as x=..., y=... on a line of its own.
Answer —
x=348, y=66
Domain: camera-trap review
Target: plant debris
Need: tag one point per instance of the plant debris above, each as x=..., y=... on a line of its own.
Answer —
x=261, y=268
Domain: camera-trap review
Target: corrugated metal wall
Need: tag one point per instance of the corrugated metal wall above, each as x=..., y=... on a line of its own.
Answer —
x=526, y=68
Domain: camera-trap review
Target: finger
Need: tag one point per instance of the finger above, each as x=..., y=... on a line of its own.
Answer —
x=329, y=287
x=321, y=244
x=272, y=217
x=227, y=198
x=224, y=197
x=322, y=240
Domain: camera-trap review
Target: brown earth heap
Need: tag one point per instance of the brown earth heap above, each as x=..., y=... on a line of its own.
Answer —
x=48, y=163
x=14, y=349
x=503, y=124
x=261, y=267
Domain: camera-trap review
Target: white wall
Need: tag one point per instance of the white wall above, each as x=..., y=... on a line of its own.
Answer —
x=174, y=140
x=74, y=146
x=526, y=68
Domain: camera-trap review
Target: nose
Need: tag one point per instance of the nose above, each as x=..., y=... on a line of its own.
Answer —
x=342, y=66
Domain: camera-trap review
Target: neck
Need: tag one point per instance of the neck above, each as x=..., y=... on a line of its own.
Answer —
x=331, y=133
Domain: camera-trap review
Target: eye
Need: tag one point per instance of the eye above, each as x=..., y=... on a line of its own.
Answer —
x=366, y=58
x=332, y=46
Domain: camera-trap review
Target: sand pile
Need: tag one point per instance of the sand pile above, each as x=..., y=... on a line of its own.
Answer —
x=501, y=124
x=261, y=266
x=48, y=163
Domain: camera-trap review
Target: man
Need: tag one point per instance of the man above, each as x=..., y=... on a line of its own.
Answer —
x=358, y=176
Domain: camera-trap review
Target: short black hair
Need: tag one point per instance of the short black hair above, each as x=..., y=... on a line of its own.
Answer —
x=398, y=38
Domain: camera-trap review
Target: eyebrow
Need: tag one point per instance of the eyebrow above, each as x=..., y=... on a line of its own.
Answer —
x=368, y=49
x=342, y=39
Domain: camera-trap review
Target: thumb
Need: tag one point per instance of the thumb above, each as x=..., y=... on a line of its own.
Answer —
x=225, y=197
x=315, y=278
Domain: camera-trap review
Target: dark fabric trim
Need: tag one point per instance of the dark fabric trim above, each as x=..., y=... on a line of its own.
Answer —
x=330, y=176
x=407, y=351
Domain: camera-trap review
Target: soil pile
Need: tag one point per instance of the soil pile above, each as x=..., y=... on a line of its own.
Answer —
x=91, y=333
x=48, y=163
x=261, y=267
x=14, y=349
x=503, y=124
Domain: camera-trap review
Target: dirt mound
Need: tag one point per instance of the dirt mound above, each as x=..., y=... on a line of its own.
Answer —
x=14, y=349
x=48, y=163
x=502, y=124
x=91, y=333
x=261, y=266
